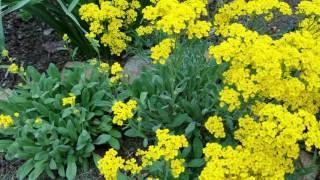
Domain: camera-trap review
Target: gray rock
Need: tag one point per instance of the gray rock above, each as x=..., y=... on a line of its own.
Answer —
x=47, y=32
x=133, y=67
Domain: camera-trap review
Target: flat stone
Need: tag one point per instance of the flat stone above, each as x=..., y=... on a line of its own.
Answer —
x=47, y=32
x=133, y=67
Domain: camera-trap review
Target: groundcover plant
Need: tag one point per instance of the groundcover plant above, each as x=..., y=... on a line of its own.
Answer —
x=226, y=95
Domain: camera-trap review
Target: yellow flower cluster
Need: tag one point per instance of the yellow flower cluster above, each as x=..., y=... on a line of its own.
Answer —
x=167, y=147
x=215, y=126
x=174, y=17
x=177, y=167
x=239, y=8
x=118, y=14
x=103, y=67
x=268, y=146
x=123, y=111
x=5, y=121
x=110, y=164
x=38, y=121
x=161, y=52
x=311, y=11
x=5, y=53
x=66, y=38
x=14, y=68
x=71, y=100
x=286, y=69
x=309, y=7
x=231, y=98
x=283, y=71
x=116, y=71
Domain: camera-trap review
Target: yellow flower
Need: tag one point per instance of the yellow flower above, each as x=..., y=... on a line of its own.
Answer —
x=132, y=166
x=231, y=98
x=110, y=164
x=144, y=30
x=93, y=61
x=13, y=68
x=65, y=38
x=38, y=121
x=177, y=167
x=5, y=121
x=117, y=14
x=116, y=71
x=103, y=68
x=170, y=16
x=199, y=29
x=71, y=100
x=16, y=114
x=5, y=53
x=123, y=111
x=161, y=52
x=215, y=126
x=167, y=147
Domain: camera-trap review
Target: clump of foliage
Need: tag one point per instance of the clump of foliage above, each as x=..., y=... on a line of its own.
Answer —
x=58, y=119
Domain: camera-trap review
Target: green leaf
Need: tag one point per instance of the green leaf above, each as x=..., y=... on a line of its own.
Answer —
x=102, y=139
x=4, y=144
x=70, y=15
x=121, y=176
x=186, y=151
x=196, y=163
x=61, y=171
x=39, y=167
x=15, y=6
x=179, y=120
x=115, y=133
x=41, y=108
x=98, y=96
x=85, y=97
x=143, y=96
x=96, y=158
x=43, y=155
x=33, y=73
x=25, y=169
x=113, y=142
x=53, y=71
x=83, y=139
x=50, y=173
x=72, y=5
x=134, y=133
x=76, y=89
x=2, y=38
x=71, y=168
x=197, y=147
x=190, y=128
x=66, y=112
x=53, y=164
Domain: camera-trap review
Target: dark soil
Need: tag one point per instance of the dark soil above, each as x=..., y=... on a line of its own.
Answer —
x=31, y=43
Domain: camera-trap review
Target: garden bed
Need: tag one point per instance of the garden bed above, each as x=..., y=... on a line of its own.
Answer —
x=140, y=89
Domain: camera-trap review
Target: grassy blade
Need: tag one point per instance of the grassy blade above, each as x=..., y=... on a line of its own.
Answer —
x=2, y=39
x=73, y=5
x=15, y=6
